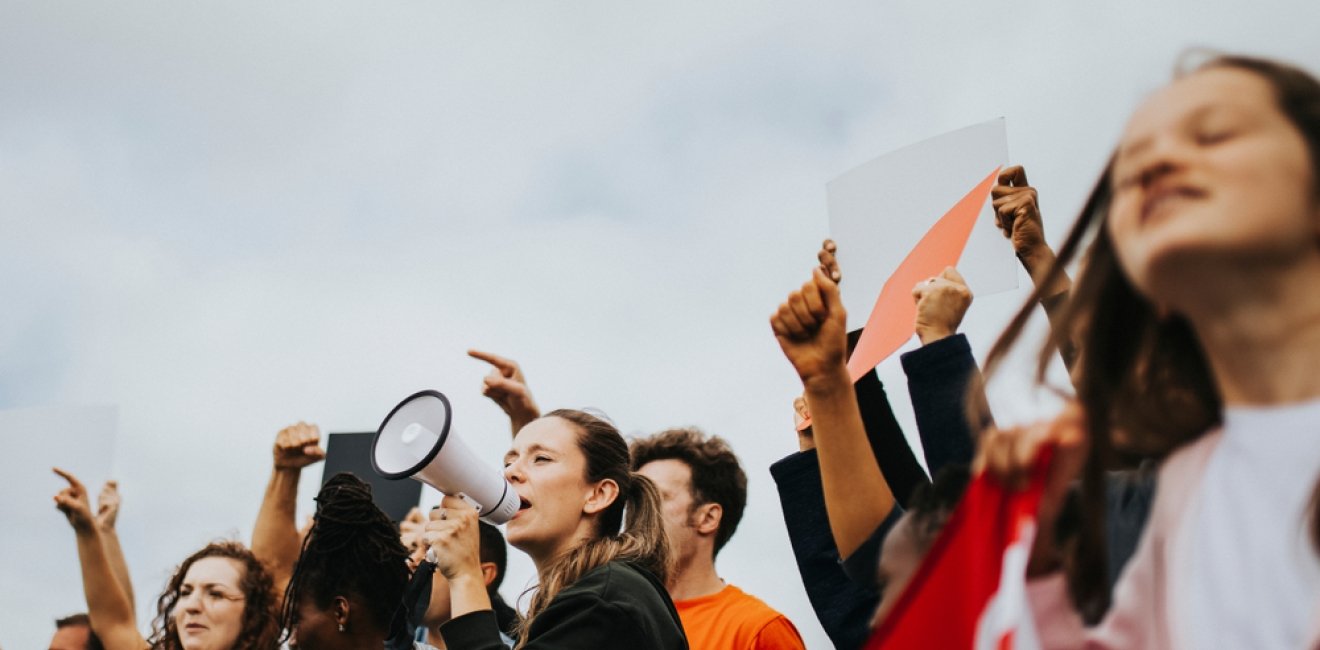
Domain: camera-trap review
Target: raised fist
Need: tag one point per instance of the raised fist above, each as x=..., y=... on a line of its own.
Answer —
x=297, y=446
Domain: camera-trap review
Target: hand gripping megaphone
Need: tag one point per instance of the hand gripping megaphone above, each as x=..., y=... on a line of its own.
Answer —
x=417, y=441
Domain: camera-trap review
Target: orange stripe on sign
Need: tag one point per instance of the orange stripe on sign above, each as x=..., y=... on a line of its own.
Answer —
x=892, y=318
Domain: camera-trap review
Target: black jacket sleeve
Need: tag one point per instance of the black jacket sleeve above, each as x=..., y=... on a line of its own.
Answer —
x=473, y=631
x=612, y=606
x=843, y=607
x=902, y=471
x=939, y=376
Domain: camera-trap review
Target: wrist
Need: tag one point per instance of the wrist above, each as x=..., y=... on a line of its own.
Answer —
x=827, y=381
x=1036, y=258
x=929, y=335
x=521, y=416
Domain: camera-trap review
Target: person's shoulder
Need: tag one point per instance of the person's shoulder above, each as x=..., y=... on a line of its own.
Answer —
x=1190, y=459
x=614, y=578
x=769, y=625
x=617, y=575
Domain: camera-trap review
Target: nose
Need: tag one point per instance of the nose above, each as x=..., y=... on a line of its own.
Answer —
x=513, y=472
x=1167, y=154
x=191, y=602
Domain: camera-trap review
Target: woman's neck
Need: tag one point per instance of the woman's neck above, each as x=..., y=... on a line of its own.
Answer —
x=1262, y=336
x=544, y=559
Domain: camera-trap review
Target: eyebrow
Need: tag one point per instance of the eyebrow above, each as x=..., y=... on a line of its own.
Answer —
x=206, y=585
x=1128, y=150
x=533, y=448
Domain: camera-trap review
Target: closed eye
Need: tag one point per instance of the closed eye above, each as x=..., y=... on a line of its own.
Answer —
x=1206, y=138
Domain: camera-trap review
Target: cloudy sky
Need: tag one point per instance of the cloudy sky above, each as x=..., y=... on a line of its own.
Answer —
x=221, y=218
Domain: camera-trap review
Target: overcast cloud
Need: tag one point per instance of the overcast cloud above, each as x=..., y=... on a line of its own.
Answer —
x=226, y=217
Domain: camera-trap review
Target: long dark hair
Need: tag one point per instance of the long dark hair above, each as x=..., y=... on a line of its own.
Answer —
x=641, y=541
x=1142, y=375
x=260, y=628
x=353, y=549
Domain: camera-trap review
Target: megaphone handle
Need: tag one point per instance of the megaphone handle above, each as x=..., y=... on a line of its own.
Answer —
x=470, y=501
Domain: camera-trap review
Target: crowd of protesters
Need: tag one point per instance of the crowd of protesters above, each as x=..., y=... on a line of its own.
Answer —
x=1180, y=509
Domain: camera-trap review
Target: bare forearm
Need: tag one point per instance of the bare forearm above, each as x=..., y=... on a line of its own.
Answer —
x=108, y=606
x=1040, y=264
x=520, y=420
x=275, y=536
x=118, y=565
x=857, y=497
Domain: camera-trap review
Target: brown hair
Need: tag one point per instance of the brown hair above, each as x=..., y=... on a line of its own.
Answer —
x=1140, y=373
x=717, y=477
x=260, y=627
x=640, y=539
x=81, y=620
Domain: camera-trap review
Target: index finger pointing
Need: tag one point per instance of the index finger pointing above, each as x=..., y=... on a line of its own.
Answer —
x=503, y=364
x=73, y=480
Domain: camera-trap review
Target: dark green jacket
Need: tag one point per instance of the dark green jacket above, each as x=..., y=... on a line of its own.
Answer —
x=617, y=605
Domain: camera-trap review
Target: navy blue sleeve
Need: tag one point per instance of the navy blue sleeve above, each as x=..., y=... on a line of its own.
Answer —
x=842, y=606
x=897, y=462
x=473, y=631
x=939, y=376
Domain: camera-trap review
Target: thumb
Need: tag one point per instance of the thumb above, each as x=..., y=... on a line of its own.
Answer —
x=506, y=385
x=829, y=290
x=314, y=451
x=953, y=275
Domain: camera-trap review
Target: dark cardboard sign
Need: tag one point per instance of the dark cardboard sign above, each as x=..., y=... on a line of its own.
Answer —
x=351, y=452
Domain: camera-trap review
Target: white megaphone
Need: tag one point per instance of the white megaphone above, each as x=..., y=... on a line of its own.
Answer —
x=416, y=441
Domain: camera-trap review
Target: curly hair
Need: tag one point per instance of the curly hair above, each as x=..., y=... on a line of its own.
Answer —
x=260, y=629
x=717, y=476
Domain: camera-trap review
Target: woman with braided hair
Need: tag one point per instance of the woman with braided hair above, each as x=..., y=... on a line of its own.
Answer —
x=601, y=578
x=347, y=587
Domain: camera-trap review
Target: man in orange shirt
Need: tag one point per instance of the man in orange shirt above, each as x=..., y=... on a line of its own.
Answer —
x=704, y=491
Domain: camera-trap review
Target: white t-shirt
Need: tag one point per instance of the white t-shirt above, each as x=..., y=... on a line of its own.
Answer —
x=1253, y=574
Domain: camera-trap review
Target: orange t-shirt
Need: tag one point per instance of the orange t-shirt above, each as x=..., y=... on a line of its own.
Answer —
x=730, y=619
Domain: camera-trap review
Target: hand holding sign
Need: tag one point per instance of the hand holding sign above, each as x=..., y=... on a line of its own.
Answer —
x=1017, y=212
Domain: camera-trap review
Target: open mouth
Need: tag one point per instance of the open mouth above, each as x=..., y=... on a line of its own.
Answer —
x=523, y=504
x=1166, y=198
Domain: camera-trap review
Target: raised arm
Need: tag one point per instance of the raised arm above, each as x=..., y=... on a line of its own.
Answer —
x=275, y=538
x=108, y=606
x=810, y=328
x=506, y=386
x=842, y=606
x=107, y=513
x=941, y=371
x=1017, y=213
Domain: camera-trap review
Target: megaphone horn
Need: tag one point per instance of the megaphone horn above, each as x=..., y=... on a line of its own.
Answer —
x=417, y=440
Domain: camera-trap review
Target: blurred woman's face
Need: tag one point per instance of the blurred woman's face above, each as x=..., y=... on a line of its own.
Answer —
x=1210, y=174
x=548, y=470
x=209, y=612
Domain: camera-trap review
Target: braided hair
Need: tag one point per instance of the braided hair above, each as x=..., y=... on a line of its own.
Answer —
x=352, y=549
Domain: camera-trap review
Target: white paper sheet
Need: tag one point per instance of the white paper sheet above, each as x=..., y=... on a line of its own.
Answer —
x=880, y=210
